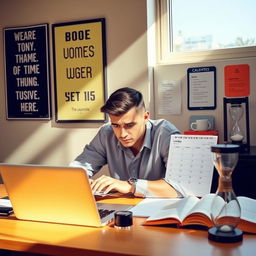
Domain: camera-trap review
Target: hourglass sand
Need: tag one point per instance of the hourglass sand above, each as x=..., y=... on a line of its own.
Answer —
x=236, y=134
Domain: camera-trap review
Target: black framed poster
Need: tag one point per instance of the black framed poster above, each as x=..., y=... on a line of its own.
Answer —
x=201, y=88
x=79, y=69
x=27, y=72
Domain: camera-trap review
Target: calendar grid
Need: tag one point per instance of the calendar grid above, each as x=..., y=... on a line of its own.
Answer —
x=190, y=162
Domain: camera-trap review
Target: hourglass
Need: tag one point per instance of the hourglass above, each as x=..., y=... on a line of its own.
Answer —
x=236, y=122
x=225, y=209
x=236, y=112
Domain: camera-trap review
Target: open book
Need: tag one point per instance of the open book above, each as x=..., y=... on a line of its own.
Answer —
x=194, y=211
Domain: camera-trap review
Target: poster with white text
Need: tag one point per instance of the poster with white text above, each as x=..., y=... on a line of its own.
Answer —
x=27, y=72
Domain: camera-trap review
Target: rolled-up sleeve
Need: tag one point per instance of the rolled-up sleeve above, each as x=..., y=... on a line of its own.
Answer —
x=86, y=166
x=141, y=188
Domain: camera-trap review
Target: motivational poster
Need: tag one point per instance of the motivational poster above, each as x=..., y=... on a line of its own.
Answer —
x=79, y=67
x=27, y=72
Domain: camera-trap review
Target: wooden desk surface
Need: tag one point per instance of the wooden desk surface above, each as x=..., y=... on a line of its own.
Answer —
x=57, y=239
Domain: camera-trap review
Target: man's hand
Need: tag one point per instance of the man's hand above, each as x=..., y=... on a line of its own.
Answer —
x=106, y=184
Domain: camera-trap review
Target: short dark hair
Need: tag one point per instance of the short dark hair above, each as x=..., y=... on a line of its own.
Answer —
x=122, y=100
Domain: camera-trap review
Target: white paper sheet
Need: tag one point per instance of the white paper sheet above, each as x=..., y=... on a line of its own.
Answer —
x=150, y=206
x=190, y=165
x=201, y=89
x=169, y=98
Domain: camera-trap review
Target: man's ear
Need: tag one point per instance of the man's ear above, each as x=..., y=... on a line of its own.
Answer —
x=146, y=115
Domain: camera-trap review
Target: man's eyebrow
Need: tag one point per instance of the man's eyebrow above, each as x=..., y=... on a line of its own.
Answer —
x=133, y=122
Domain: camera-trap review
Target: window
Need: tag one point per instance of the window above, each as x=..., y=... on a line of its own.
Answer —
x=201, y=30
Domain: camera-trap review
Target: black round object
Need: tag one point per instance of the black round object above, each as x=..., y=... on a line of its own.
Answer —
x=123, y=219
x=225, y=148
x=225, y=237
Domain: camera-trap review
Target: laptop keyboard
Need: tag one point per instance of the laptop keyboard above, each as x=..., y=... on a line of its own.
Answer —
x=103, y=212
x=102, y=194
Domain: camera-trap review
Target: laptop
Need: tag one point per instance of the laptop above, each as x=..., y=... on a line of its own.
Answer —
x=55, y=194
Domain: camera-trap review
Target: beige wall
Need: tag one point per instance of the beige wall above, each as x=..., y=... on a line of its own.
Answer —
x=49, y=142
x=179, y=73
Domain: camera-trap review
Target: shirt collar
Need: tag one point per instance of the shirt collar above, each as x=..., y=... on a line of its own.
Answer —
x=148, y=140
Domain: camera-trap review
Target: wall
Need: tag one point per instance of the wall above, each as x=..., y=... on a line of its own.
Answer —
x=48, y=142
x=178, y=72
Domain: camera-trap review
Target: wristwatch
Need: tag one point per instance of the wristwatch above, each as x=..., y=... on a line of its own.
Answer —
x=133, y=181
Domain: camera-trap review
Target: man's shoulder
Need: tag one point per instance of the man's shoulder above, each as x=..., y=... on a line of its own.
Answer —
x=106, y=128
x=164, y=126
x=106, y=134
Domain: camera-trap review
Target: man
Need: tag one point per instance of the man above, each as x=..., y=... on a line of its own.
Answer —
x=134, y=147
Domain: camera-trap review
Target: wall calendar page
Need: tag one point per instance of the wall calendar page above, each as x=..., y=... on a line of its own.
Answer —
x=190, y=165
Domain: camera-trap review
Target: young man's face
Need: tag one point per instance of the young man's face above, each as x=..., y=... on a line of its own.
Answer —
x=130, y=127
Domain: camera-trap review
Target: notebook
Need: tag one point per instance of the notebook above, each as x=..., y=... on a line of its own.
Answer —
x=54, y=194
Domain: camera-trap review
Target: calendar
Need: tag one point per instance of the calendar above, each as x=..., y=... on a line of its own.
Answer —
x=190, y=165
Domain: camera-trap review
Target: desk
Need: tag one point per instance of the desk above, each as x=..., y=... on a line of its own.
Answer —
x=56, y=239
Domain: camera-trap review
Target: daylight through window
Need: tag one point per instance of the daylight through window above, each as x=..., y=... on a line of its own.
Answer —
x=206, y=25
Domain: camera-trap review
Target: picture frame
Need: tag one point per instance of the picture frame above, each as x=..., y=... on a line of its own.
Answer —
x=201, y=84
x=27, y=79
x=79, y=57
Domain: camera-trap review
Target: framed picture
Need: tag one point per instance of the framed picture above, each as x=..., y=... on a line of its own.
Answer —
x=201, y=88
x=27, y=72
x=79, y=51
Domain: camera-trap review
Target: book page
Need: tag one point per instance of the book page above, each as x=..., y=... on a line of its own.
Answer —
x=203, y=206
x=177, y=210
x=248, y=208
x=149, y=206
x=190, y=165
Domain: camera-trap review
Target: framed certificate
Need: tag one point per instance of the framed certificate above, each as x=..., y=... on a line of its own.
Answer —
x=79, y=67
x=201, y=88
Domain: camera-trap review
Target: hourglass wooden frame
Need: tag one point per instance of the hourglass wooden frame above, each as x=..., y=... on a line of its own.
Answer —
x=227, y=102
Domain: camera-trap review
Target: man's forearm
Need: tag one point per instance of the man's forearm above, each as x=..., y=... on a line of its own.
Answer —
x=160, y=188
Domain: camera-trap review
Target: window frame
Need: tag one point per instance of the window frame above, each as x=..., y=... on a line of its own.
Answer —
x=165, y=56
